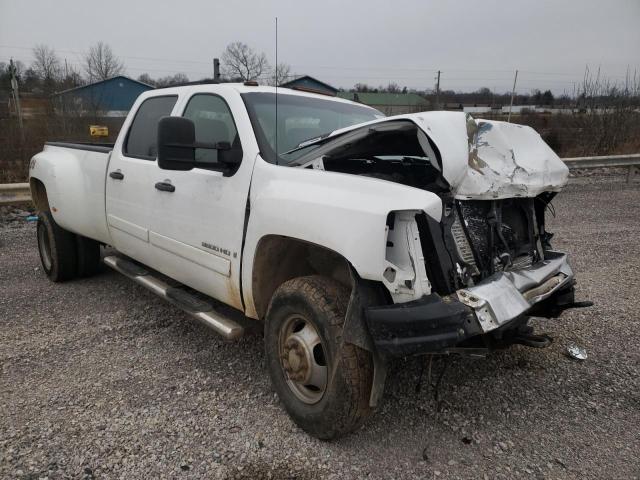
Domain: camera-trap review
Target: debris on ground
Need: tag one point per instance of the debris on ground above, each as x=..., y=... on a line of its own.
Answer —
x=576, y=352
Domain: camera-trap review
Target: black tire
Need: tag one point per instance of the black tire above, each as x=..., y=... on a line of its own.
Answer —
x=88, y=252
x=344, y=403
x=57, y=248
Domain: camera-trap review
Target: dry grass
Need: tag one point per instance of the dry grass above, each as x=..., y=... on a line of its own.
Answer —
x=16, y=153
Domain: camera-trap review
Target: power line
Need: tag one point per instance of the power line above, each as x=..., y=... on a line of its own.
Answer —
x=336, y=67
x=84, y=52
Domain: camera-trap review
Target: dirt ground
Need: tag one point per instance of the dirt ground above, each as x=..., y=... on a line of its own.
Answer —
x=102, y=380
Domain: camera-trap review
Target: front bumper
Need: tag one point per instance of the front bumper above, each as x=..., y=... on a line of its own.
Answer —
x=435, y=324
x=505, y=296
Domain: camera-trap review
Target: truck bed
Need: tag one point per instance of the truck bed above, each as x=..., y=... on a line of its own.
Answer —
x=77, y=197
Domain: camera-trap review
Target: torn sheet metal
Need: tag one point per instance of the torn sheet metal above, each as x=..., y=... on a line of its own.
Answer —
x=574, y=351
x=510, y=160
x=486, y=159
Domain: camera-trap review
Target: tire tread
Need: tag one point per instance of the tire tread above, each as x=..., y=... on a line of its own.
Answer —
x=356, y=366
x=63, y=249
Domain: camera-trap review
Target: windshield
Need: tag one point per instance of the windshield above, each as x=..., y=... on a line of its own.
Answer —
x=300, y=119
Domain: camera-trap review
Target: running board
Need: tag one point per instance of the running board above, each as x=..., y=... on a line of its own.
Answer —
x=199, y=309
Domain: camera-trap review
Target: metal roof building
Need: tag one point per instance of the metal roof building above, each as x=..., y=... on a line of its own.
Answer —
x=311, y=84
x=111, y=98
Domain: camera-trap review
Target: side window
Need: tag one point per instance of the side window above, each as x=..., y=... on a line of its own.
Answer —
x=214, y=123
x=142, y=138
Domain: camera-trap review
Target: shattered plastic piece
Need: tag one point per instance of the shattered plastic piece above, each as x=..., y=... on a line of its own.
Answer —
x=579, y=353
x=32, y=218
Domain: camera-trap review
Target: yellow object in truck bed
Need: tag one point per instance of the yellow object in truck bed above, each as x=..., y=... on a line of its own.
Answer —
x=98, y=131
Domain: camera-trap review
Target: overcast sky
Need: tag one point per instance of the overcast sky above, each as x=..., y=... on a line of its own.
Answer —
x=473, y=43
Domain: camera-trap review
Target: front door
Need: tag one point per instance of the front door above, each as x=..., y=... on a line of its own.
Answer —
x=198, y=220
x=130, y=188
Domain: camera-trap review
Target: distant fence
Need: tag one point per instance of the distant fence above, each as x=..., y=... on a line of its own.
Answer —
x=12, y=193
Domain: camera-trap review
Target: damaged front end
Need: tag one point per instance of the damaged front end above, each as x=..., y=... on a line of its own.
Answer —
x=491, y=267
x=486, y=265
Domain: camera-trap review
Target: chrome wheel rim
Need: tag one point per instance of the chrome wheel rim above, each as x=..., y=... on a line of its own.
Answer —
x=303, y=359
x=45, y=247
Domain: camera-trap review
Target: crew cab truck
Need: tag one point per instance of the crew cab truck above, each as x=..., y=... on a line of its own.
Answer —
x=351, y=237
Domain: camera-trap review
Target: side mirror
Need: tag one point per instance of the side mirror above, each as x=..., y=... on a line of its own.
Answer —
x=176, y=143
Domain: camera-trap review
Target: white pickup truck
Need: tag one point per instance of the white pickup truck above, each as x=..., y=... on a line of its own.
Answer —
x=351, y=237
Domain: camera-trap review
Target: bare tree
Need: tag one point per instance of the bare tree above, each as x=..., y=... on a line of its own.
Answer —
x=70, y=78
x=607, y=121
x=100, y=63
x=392, y=87
x=146, y=78
x=363, y=87
x=171, y=80
x=281, y=73
x=46, y=64
x=243, y=63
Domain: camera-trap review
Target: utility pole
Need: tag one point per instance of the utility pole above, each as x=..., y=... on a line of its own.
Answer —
x=16, y=95
x=438, y=90
x=216, y=70
x=513, y=91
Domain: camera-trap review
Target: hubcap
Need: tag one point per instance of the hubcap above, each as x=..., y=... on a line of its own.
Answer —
x=44, y=247
x=303, y=359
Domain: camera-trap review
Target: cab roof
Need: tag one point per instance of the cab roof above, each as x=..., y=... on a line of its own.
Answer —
x=243, y=88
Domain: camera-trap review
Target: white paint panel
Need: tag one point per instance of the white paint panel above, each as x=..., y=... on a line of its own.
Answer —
x=128, y=227
x=195, y=255
x=75, y=184
x=341, y=212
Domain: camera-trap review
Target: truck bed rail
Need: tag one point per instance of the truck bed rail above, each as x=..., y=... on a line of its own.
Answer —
x=91, y=147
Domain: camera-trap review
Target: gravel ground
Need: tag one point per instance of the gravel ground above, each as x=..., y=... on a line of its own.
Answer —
x=102, y=380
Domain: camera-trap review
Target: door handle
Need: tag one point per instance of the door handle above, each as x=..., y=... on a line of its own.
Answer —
x=165, y=187
x=117, y=175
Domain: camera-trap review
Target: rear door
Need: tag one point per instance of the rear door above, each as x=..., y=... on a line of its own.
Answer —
x=130, y=191
x=197, y=227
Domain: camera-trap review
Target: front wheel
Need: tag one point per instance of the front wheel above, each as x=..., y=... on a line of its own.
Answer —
x=323, y=383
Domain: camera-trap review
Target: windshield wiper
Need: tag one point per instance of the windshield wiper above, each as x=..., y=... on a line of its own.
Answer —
x=307, y=143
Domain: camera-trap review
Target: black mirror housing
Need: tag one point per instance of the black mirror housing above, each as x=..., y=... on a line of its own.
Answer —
x=176, y=143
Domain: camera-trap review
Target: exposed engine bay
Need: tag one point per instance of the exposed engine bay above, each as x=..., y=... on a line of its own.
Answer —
x=483, y=237
x=478, y=235
x=397, y=151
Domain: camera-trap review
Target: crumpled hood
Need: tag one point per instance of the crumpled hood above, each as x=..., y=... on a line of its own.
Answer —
x=487, y=159
x=507, y=160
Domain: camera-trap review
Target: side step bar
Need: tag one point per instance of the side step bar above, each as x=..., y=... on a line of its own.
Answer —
x=199, y=309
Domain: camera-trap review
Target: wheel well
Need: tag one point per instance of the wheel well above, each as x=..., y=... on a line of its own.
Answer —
x=279, y=259
x=39, y=195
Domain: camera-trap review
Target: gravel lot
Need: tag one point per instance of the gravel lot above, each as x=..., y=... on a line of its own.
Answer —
x=102, y=380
